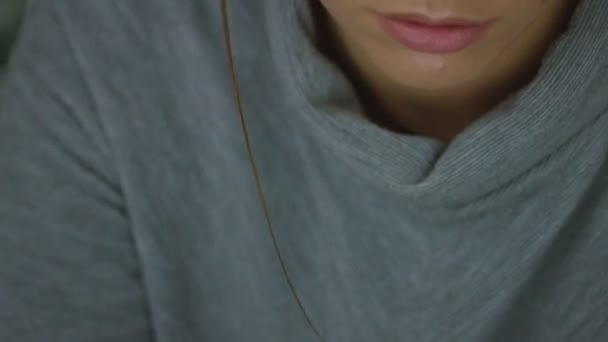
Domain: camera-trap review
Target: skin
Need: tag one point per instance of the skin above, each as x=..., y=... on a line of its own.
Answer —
x=439, y=95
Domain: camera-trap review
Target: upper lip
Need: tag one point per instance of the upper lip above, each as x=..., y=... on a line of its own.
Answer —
x=430, y=21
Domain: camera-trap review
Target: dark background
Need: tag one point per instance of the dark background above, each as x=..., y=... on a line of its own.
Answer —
x=10, y=15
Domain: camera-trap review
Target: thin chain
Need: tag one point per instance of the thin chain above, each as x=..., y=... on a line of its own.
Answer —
x=252, y=164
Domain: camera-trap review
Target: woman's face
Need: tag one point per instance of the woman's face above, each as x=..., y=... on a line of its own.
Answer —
x=440, y=60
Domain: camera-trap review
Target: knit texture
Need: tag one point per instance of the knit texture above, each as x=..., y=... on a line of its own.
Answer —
x=129, y=212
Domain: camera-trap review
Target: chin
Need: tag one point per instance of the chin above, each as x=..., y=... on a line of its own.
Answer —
x=432, y=72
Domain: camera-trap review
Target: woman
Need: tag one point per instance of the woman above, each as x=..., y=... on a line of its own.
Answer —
x=289, y=170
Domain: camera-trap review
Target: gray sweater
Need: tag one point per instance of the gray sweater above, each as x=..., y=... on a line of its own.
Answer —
x=129, y=212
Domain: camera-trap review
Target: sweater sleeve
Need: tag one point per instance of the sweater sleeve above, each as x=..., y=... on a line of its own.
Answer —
x=68, y=261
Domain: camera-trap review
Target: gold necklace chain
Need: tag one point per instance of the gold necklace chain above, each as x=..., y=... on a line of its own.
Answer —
x=252, y=163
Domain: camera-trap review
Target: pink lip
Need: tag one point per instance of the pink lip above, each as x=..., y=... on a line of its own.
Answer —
x=437, y=36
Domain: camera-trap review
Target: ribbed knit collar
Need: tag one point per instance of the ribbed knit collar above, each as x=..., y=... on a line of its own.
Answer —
x=513, y=138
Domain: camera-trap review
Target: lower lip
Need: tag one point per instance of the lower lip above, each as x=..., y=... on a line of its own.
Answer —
x=435, y=39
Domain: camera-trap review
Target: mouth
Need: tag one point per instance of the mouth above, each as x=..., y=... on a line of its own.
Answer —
x=426, y=34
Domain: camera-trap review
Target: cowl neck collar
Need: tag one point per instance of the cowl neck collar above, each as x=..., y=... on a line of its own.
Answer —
x=519, y=134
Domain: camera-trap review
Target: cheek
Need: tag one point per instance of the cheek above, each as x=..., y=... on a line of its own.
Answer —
x=343, y=8
x=516, y=15
x=333, y=5
x=514, y=8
